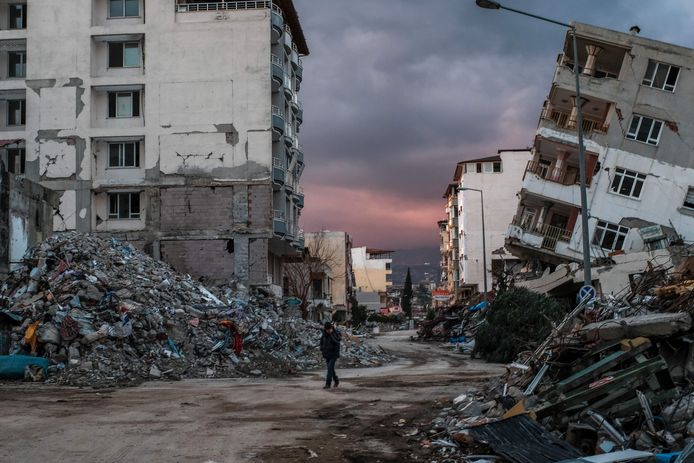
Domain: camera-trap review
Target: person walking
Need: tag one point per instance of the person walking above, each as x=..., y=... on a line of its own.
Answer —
x=330, y=348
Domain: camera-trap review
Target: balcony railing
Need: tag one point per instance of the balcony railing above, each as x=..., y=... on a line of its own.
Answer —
x=277, y=162
x=277, y=111
x=277, y=9
x=568, y=176
x=550, y=234
x=217, y=6
x=276, y=60
x=278, y=215
x=563, y=120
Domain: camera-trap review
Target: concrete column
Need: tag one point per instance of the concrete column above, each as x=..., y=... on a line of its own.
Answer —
x=574, y=115
x=562, y=155
x=241, y=259
x=591, y=61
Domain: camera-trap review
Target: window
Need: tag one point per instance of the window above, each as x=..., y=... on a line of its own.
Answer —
x=16, y=160
x=124, y=206
x=627, y=182
x=124, y=104
x=645, y=129
x=527, y=218
x=479, y=167
x=689, y=199
x=124, y=54
x=488, y=167
x=123, y=8
x=317, y=289
x=16, y=112
x=18, y=64
x=124, y=154
x=661, y=76
x=18, y=16
x=609, y=235
x=497, y=167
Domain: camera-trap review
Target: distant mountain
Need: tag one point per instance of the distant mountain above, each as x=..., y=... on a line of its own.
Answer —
x=422, y=262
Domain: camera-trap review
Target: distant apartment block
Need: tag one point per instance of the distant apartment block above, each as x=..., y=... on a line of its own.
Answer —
x=372, y=276
x=449, y=231
x=638, y=122
x=337, y=247
x=172, y=123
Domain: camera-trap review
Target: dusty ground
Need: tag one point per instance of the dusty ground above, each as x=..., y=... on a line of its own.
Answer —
x=273, y=420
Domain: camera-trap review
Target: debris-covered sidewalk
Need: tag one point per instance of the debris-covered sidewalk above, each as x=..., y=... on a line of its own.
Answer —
x=93, y=311
x=611, y=383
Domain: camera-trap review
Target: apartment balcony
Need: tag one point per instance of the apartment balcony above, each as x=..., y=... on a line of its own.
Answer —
x=277, y=73
x=606, y=88
x=279, y=172
x=300, y=113
x=545, y=238
x=596, y=60
x=559, y=114
x=294, y=103
x=288, y=40
x=297, y=151
x=288, y=136
x=186, y=6
x=278, y=123
x=294, y=57
x=277, y=22
x=288, y=92
x=298, y=197
x=279, y=223
x=299, y=72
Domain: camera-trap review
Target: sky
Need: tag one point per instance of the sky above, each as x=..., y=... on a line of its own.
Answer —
x=396, y=92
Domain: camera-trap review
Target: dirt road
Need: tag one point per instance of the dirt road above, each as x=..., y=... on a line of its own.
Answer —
x=251, y=420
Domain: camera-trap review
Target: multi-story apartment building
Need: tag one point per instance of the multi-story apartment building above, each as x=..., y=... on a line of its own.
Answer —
x=496, y=181
x=450, y=257
x=372, y=276
x=639, y=135
x=337, y=252
x=171, y=123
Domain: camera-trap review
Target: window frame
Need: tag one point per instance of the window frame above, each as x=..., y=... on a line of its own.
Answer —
x=620, y=174
x=649, y=81
x=123, y=46
x=686, y=204
x=603, y=227
x=135, y=109
x=23, y=63
x=124, y=9
x=118, y=197
x=23, y=16
x=496, y=164
x=122, y=155
x=15, y=157
x=633, y=135
x=11, y=112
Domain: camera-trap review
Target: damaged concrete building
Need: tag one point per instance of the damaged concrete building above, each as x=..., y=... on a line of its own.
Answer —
x=170, y=123
x=637, y=96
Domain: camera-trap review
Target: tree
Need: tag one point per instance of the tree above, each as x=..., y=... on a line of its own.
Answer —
x=407, y=295
x=359, y=315
x=317, y=259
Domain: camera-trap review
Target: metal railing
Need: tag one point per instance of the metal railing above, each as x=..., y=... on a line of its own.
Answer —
x=551, y=235
x=563, y=120
x=217, y=6
x=561, y=176
x=277, y=111
x=277, y=61
x=277, y=10
x=278, y=215
x=277, y=162
x=288, y=83
x=301, y=62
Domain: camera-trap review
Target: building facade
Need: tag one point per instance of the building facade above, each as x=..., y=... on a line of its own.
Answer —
x=372, y=276
x=449, y=231
x=170, y=123
x=338, y=248
x=639, y=132
x=495, y=180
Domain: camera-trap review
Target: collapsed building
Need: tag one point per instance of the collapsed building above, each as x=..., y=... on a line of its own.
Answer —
x=171, y=124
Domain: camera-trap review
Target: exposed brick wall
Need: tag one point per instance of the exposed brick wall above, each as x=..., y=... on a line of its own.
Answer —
x=202, y=258
x=260, y=206
x=196, y=208
x=258, y=261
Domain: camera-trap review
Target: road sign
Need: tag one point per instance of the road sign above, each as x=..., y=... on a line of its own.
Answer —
x=293, y=301
x=586, y=293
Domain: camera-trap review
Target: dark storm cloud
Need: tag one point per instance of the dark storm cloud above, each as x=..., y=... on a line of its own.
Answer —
x=397, y=91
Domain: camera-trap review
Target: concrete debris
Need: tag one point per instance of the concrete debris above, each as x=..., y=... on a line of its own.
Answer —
x=102, y=313
x=614, y=381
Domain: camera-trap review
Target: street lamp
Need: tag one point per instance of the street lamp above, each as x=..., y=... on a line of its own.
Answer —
x=484, y=237
x=492, y=5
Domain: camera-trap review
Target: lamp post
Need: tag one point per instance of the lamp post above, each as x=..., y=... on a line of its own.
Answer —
x=492, y=5
x=484, y=237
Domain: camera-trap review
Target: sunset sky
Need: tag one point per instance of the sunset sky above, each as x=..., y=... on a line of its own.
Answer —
x=395, y=92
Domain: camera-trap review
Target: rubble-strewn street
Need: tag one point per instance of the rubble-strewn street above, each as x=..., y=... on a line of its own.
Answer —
x=375, y=415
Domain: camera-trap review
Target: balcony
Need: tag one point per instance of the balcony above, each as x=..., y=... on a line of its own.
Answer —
x=298, y=197
x=300, y=239
x=278, y=123
x=299, y=73
x=279, y=223
x=185, y=6
x=294, y=103
x=277, y=73
x=288, y=136
x=277, y=21
x=604, y=88
x=279, y=172
x=563, y=120
x=294, y=56
x=287, y=39
x=299, y=113
x=299, y=154
x=288, y=92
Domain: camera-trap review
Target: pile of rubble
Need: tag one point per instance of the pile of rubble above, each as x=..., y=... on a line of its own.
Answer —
x=613, y=382
x=96, y=311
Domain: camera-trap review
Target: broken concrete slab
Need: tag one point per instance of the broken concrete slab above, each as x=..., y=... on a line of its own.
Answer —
x=657, y=324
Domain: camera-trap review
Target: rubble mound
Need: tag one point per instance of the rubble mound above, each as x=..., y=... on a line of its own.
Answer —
x=103, y=313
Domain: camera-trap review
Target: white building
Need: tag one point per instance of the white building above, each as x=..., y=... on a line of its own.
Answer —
x=637, y=107
x=171, y=123
x=372, y=276
x=498, y=178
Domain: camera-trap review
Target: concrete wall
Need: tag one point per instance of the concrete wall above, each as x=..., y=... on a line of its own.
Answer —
x=499, y=189
x=205, y=124
x=370, y=275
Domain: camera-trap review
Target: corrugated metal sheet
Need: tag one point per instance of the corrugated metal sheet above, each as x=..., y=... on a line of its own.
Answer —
x=521, y=440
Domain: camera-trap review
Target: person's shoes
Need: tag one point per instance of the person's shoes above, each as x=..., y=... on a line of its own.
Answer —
x=337, y=383
x=327, y=386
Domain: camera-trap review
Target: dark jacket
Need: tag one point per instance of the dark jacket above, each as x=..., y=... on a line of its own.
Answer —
x=330, y=344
